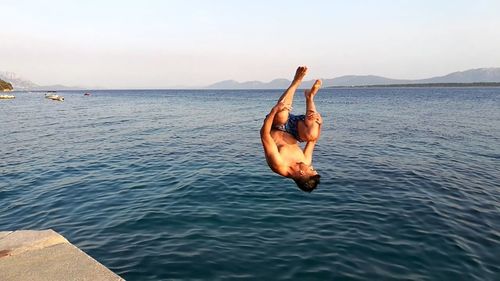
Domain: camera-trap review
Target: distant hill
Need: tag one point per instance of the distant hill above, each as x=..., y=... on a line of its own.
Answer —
x=468, y=76
x=56, y=87
x=357, y=80
x=232, y=84
x=17, y=82
x=21, y=84
x=5, y=86
x=427, y=85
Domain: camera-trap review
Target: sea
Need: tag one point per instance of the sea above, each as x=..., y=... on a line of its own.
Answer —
x=173, y=184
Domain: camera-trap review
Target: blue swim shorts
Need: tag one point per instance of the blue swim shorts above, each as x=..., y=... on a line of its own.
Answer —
x=291, y=126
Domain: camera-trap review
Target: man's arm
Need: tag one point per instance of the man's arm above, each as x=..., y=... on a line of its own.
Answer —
x=271, y=152
x=308, y=151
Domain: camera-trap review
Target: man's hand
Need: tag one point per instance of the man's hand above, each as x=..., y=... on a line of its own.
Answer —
x=314, y=116
x=280, y=106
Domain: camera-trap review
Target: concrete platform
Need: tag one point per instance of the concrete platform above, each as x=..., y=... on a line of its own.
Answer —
x=46, y=255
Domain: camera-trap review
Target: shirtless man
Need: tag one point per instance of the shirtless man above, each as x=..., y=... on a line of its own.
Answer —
x=282, y=131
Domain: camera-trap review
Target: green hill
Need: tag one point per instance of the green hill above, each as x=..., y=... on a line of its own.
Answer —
x=5, y=86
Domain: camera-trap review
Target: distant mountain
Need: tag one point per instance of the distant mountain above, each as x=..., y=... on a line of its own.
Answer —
x=232, y=84
x=356, y=80
x=56, y=87
x=17, y=82
x=468, y=76
x=21, y=84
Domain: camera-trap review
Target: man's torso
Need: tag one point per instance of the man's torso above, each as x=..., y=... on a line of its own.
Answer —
x=288, y=147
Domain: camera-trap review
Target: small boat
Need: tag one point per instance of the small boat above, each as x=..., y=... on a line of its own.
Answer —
x=7, y=97
x=54, y=97
x=86, y=94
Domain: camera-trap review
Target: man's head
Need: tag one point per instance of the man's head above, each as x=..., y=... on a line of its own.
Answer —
x=306, y=178
x=307, y=184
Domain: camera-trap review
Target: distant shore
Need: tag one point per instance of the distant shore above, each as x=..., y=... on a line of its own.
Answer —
x=426, y=85
x=410, y=85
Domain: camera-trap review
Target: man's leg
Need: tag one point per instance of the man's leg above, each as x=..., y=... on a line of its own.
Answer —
x=287, y=96
x=311, y=113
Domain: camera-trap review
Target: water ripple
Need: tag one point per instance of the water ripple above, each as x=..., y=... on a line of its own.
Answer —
x=172, y=185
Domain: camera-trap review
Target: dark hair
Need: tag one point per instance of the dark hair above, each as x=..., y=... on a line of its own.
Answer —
x=307, y=184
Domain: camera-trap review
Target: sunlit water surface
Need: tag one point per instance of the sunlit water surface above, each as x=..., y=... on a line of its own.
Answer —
x=166, y=185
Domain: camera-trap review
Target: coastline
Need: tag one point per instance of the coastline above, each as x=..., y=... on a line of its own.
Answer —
x=426, y=85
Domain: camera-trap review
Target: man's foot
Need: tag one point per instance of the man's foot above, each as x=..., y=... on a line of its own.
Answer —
x=314, y=89
x=300, y=73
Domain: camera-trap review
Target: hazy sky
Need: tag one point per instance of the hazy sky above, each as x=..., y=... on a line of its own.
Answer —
x=162, y=44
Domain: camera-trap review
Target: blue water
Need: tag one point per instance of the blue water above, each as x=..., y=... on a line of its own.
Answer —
x=173, y=185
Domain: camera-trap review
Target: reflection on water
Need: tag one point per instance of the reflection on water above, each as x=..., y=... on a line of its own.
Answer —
x=174, y=185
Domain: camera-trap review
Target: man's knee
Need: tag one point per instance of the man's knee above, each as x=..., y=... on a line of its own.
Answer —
x=280, y=118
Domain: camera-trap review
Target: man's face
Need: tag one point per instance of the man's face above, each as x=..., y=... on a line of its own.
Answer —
x=306, y=170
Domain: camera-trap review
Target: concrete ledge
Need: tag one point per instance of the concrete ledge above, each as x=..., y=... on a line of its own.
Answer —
x=46, y=255
x=18, y=242
x=4, y=233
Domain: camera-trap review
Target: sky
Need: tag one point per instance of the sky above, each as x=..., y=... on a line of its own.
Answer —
x=186, y=43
